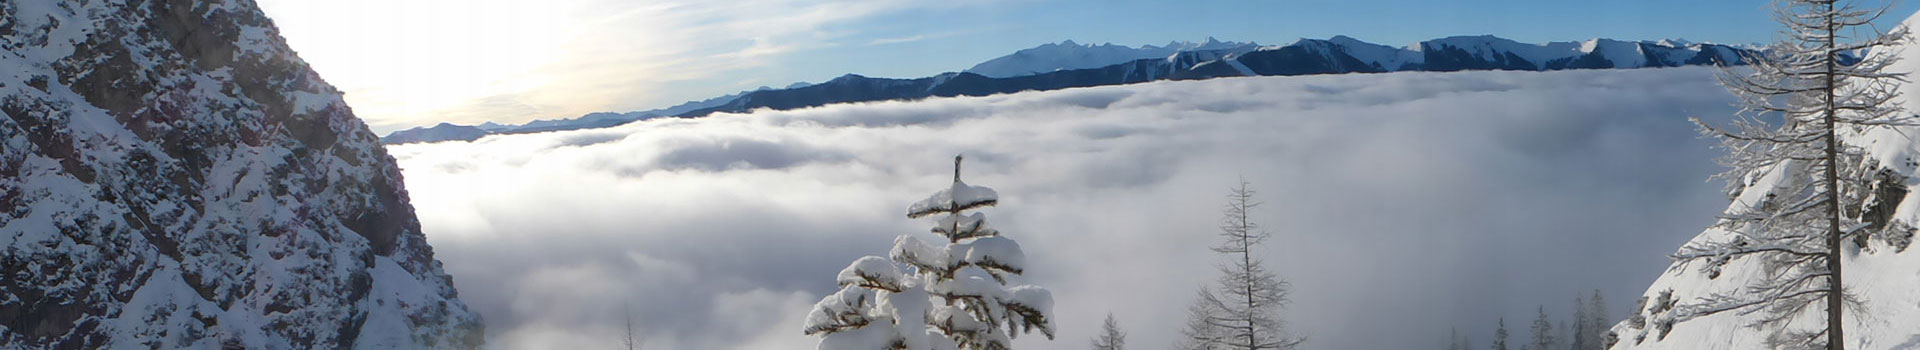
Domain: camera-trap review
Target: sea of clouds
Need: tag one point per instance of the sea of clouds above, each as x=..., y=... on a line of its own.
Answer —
x=1401, y=205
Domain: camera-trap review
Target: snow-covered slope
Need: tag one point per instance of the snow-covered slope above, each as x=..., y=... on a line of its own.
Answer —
x=1884, y=276
x=176, y=178
x=1068, y=55
x=1490, y=52
x=1385, y=57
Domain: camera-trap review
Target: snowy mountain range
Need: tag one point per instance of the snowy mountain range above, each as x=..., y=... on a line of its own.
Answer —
x=177, y=178
x=1337, y=55
x=1068, y=64
x=452, y=132
x=1068, y=55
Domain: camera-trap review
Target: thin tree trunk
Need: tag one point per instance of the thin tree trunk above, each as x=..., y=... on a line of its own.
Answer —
x=1835, y=340
x=1247, y=258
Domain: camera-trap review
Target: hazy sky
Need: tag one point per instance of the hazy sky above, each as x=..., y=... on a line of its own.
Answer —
x=405, y=63
x=1400, y=204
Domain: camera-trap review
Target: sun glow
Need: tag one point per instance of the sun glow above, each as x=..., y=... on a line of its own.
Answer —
x=400, y=61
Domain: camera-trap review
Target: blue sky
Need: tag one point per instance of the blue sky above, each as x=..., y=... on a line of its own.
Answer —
x=419, y=62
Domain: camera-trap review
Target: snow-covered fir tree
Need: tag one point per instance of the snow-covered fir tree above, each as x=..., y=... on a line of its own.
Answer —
x=1542, y=332
x=1111, y=337
x=1500, y=335
x=958, y=295
x=1801, y=189
x=1244, y=314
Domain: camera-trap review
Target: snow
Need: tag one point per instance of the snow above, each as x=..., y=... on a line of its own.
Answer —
x=1882, y=278
x=1068, y=55
x=1386, y=57
x=874, y=271
x=966, y=275
x=1623, y=54
x=1036, y=297
x=959, y=194
x=242, y=241
x=971, y=225
x=994, y=251
x=913, y=252
x=1490, y=47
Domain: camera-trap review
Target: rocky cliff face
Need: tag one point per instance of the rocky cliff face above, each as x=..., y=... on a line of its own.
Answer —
x=175, y=177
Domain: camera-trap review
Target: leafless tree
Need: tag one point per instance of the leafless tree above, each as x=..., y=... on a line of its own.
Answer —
x=1244, y=313
x=1111, y=337
x=1801, y=189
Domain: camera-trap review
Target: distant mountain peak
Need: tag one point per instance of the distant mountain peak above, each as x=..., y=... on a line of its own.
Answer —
x=1070, y=64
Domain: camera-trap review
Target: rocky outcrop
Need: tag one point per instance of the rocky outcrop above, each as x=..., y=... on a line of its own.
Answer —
x=175, y=177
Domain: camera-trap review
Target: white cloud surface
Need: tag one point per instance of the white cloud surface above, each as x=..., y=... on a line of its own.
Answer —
x=1401, y=204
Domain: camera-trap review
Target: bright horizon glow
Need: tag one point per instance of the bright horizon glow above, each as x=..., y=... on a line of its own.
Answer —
x=406, y=63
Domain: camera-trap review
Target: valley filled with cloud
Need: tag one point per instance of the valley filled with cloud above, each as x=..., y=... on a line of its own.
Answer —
x=1400, y=201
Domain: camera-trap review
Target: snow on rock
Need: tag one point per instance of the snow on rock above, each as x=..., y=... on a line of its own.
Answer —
x=175, y=177
x=1384, y=57
x=1068, y=55
x=1883, y=275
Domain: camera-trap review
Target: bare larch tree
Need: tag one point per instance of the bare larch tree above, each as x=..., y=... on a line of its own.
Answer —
x=1111, y=337
x=1244, y=313
x=1801, y=189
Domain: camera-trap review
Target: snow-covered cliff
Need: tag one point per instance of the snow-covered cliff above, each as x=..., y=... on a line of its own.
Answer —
x=176, y=177
x=1883, y=274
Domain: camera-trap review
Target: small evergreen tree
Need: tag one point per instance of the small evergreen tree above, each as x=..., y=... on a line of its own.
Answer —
x=1582, y=325
x=956, y=296
x=1500, y=335
x=1599, y=323
x=1111, y=338
x=1543, y=332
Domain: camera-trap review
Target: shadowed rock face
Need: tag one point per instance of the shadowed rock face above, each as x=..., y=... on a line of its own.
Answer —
x=175, y=177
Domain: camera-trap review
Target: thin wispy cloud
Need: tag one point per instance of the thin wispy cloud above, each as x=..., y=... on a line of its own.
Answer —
x=1383, y=191
x=904, y=39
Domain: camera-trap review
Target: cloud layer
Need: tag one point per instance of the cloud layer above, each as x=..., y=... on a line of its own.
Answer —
x=1400, y=204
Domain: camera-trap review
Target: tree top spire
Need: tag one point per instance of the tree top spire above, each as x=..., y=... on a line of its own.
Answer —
x=956, y=167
